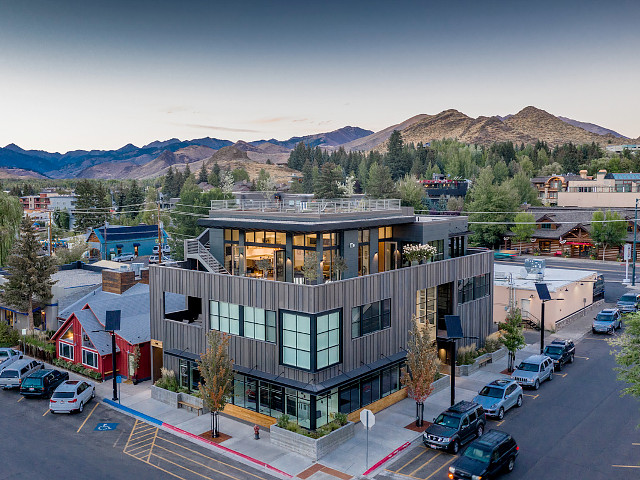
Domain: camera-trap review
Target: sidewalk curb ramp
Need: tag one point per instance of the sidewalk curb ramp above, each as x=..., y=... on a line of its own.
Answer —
x=193, y=436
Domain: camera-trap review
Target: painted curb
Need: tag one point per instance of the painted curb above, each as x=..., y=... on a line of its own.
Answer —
x=160, y=423
x=388, y=457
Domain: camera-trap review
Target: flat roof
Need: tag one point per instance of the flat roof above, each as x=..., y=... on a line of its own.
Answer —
x=555, y=278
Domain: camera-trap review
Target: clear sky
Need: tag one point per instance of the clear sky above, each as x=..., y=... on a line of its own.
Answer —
x=88, y=74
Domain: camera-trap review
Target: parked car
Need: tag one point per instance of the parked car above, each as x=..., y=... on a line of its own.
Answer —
x=499, y=396
x=42, y=383
x=629, y=303
x=455, y=426
x=533, y=371
x=13, y=375
x=598, y=287
x=124, y=257
x=561, y=352
x=607, y=321
x=9, y=356
x=154, y=259
x=71, y=396
x=486, y=457
x=165, y=249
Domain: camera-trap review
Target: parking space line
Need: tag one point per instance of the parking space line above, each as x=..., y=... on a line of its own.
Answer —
x=532, y=396
x=499, y=423
x=45, y=412
x=138, y=441
x=417, y=456
x=626, y=466
x=189, y=470
x=560, y=374
x=21, y=398
x=153, y=443
x=85, y=420
x=156, y=466
x=142, y=430
x=131, y=448
x=197, y=463
x=218, y=461
x=451, y=460
x=426, y=463
x=584, y=358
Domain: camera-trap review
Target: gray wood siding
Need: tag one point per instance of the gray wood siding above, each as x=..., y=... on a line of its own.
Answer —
x=399, y=285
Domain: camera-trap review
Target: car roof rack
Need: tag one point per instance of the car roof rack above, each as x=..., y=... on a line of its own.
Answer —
x=462, y=406
x=501, y=382
x=493, y=436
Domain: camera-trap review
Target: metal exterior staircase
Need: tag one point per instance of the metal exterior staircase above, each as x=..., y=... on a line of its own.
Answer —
x=197, y=251
x=530, y=321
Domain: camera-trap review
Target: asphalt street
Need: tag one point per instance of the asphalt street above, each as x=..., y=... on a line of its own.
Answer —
x=101, y=443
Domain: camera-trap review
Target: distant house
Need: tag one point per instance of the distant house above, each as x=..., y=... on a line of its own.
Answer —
x=81, y=338
x=116, y=240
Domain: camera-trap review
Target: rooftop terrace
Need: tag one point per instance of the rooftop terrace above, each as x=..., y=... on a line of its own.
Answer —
x=316, y=206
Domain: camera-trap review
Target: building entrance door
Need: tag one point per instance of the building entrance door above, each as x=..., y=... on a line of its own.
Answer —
x=280, y=262
x=525, y=305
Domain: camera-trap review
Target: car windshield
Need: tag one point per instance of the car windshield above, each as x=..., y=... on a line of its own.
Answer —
x=9, y=374
x=528, y=367
x=492, y=392
x=32, y=382
x=63, y=395
x=628, y=298
x=4, y=354
x=448, y=421
x=604, y=317
x=476, y=453
x=553, y=350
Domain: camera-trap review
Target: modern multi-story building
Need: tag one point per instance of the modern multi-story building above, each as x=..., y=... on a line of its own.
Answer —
x=550, y=187
x=607, y=190
x=317, y=299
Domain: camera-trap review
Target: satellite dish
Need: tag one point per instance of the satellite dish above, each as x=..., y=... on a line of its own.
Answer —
x=523, y=273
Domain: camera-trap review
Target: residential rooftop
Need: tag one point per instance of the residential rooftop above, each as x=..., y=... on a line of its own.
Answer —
x=555, y=278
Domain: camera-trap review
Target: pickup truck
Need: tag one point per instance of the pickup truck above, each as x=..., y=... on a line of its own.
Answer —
x=561, y=352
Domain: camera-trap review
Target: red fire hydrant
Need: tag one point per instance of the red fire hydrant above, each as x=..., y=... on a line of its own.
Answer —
x=256, y=432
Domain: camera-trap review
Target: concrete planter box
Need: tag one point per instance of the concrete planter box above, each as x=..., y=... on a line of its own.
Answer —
x=311, y=447
x=193, y=400
x=440, y=384
x=165, y=396
x=482, y=360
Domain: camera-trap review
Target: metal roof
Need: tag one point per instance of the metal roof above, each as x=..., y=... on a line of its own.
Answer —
x=623, y=176
x=120, y=233
x=100, y=339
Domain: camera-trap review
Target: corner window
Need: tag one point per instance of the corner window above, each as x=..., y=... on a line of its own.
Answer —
x=328, y=339
x=296, y=340
x=370, y=318
x=65, y=351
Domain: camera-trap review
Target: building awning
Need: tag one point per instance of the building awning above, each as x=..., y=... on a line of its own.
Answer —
x=119, y=245
x=183, y=354
x=136, y=244
x=579, y=243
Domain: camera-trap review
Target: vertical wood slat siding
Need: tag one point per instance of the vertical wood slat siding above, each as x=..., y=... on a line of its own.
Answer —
x=399, y=285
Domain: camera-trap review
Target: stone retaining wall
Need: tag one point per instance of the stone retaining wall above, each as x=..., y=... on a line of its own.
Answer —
x=311, y=447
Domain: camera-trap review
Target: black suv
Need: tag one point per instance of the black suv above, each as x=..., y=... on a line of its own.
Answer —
x=42, y=383
x=486, y=457
x=455, y=426
x=561, y=352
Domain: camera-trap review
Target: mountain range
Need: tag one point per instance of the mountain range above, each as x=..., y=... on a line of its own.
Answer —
x=527, y=126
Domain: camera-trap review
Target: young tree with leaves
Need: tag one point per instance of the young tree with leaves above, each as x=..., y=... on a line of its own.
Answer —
x=627, y=353
x=10, y=217
x=512, y=337
x=608, y=229
x=411, y=192
x=524, y=228
x=421, y=368
x=29, y=272
x=216, y=373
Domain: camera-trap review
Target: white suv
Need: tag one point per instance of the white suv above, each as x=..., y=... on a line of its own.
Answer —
x=71, y=396
x=533, y=371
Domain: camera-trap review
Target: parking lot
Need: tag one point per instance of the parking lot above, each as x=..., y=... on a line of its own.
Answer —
x=575, y=426
x=103, y=443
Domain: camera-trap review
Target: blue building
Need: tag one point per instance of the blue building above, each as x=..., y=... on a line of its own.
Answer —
x=108, y=242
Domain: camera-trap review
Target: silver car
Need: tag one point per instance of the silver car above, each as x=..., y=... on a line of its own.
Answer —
x=71, y=396
x=9, y=356
x=499, y=396
x=533, y=371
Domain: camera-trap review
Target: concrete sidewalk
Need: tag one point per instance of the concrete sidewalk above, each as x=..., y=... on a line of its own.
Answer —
x=388, y=434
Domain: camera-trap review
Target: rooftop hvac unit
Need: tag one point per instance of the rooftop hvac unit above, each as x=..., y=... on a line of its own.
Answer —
x=136, y=267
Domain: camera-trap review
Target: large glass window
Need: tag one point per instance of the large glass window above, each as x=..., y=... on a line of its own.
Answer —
x=426, y=306
x=89, y=358
x=328, y=340
x=296, y=340
x=474, y=288
x=65, y=351
x=370, y=318
x=248, y=322
x=188, y=375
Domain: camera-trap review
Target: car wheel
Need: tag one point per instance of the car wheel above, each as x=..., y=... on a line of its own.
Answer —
x=593, y=330
x=93, y=393
x=559, y=366
x=610, y=332
x=571, y=358
x=550, y=375
x=519, y=402
x=52, y=412
x=536, y=385
x=501, y=413
x=511, y=464
x=480, y=430
x=81, y=407
x=455, y=447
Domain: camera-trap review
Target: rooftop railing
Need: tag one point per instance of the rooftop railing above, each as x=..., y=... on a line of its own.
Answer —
x=319, y=206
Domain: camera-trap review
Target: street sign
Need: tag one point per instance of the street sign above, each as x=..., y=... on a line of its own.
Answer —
x=105, y=427
x=367, y=418
x=119, y=379
x=627, y=251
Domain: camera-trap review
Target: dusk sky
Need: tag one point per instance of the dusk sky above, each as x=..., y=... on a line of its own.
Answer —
x=82, y=75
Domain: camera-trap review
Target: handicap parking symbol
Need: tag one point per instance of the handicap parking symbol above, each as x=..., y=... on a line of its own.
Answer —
x=104, y=427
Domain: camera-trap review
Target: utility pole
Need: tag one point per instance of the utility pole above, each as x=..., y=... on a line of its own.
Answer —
x=159, y=237
x=635, y=230
x=50, y=249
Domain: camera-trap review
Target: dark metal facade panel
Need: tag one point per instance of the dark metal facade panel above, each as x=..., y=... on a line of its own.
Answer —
x=398, y=285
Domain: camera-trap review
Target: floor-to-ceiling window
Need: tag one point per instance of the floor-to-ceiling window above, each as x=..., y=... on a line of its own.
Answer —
x=363, y=252
x=388, y=253
x=304, y=246
x=265, y=254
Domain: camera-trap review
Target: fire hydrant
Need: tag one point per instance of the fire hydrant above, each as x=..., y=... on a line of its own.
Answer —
x=256, y=432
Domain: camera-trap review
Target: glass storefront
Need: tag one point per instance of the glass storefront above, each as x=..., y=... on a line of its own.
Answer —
x=188, y=375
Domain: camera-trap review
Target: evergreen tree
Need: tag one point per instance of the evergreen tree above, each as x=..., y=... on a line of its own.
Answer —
x=202, y=176
x=307, y=177
x=328, y=182
x=29, y=273
x=411, y=192
x=187, y=172
x=92, y=205
x=134, y=199
x=398, y=159
x=169, y=186
x=380, y=184
x=10, y=217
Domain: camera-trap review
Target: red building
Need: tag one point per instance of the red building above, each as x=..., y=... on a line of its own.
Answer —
x=81, y=337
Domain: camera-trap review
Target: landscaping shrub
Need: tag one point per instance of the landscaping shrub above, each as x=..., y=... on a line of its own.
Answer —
x=8, y=336
x=491, y=343
x=168, y=380
x=467, y=355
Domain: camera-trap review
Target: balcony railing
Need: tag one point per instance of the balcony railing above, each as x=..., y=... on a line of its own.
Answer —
x=320, y=206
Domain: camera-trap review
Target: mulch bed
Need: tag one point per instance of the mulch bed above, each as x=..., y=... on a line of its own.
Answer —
x=219, y=439
x=506, y=372
x=318, y=467
x=412, y=426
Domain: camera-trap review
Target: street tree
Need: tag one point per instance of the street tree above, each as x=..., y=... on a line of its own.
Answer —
x=29, y=272
x=608, y=229
x=216, y=374
x=421, y=368
x=524, y=228
x=511, y=336
x=627, y=353
x=10, y=217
